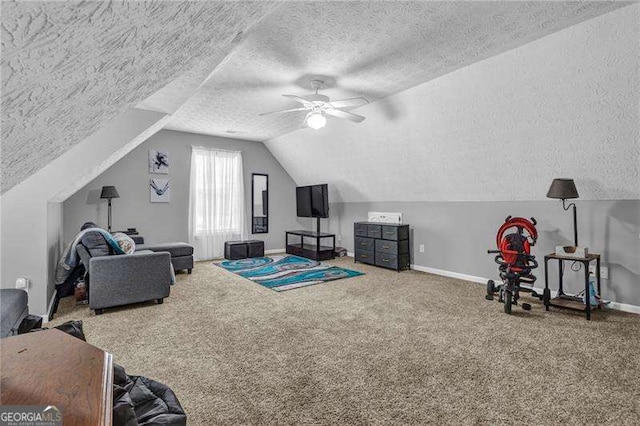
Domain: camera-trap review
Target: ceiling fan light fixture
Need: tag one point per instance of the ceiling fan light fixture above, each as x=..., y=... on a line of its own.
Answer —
x=316, y=120
x=320, y=106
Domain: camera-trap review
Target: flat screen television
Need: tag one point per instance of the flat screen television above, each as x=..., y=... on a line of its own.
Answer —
x=313, y=201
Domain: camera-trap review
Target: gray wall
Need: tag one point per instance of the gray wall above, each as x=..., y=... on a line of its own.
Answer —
x=456, y=236
x=160, y=222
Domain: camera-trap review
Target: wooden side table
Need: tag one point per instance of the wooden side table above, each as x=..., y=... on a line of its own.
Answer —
x=52, y=368
x=563, y=300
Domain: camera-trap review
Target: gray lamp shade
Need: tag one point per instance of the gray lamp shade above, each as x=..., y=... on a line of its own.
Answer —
x=109, y=192
x=563, y=189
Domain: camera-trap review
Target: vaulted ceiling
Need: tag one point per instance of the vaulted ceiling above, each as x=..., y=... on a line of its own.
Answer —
x=566, y=105
x=370, y=49
x=69, y=67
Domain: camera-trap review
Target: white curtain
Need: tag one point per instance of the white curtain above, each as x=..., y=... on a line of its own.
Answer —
x=216, y=201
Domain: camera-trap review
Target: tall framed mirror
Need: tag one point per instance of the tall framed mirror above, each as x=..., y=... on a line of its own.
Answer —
x=259, y=203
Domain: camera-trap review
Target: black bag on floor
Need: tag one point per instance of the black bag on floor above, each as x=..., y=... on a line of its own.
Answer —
x=30, y=322
x=141, y=401
x=74, y=328
x=123, y=412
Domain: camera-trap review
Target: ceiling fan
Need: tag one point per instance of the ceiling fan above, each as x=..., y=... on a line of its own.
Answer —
x=319, y=106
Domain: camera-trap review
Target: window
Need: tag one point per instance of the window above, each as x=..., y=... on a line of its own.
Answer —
x=216, y=200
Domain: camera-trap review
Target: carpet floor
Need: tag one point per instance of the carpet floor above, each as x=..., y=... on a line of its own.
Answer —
x=381, y=348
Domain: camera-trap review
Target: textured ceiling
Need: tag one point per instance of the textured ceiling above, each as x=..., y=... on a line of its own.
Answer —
x=70, y=67
x=370, y=49
x=566, y=105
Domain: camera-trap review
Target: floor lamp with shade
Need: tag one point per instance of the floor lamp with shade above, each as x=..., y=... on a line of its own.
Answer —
x=109, y=192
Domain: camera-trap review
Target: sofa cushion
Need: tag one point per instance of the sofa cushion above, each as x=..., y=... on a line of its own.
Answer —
x=175, y=249
x=13, y=308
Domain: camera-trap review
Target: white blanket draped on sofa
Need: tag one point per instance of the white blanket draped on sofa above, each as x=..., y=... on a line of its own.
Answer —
x=216, y=201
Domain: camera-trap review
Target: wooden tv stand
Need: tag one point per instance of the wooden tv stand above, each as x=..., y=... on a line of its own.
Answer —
x=310, y=244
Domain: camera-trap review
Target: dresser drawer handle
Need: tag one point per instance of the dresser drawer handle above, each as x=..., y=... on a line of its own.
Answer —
x=385, y=260
x=363, y=255
x=385, y=246
x=390, y=232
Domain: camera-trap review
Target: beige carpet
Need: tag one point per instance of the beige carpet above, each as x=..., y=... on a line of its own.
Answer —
x=383, y=348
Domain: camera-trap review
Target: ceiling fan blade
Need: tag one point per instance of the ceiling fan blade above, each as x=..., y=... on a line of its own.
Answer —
x=284, y=111
x=347, y=103
x=297, y=99
x=345, y=115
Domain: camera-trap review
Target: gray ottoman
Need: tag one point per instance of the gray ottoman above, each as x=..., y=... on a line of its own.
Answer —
x=181, y=253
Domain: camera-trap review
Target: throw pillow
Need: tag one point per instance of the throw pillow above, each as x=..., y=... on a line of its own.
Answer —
x=125, y=242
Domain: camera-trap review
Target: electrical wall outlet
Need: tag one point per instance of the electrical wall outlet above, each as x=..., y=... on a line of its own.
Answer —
x=604, y=271
x=421, y=248
x=22, y=283
x=339, y=237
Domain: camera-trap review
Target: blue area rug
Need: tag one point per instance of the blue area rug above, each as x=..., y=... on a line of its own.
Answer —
x=282, y=273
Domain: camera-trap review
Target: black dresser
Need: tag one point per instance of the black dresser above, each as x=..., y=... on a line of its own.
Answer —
x=382, y=244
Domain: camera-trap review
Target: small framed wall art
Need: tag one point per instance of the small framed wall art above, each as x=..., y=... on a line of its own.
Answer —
x=158, y=161
x=159, y=191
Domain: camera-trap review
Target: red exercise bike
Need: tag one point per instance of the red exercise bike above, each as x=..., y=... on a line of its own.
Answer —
x=515, y=263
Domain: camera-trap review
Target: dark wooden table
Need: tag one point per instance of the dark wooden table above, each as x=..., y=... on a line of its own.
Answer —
x=563, y=300
x=52, y=368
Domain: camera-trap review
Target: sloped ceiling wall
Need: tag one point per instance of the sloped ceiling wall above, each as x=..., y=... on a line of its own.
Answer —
x=360, y=48
x=567, y=105
x=70, y=67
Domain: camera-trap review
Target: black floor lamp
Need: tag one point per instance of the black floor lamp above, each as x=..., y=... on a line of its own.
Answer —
x=109, y=192
x=565, y=189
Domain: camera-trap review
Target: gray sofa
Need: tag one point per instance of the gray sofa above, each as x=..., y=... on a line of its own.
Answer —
x=13, y=308
x=124, y=279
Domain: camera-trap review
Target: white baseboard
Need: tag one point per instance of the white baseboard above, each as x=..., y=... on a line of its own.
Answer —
x=624, y=307
x=450, y=274
x=274, y=251
x=480, y=280
x=45, y=318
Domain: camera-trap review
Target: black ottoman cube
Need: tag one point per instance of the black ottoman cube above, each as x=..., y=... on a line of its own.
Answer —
x=235, y=250
x=255, y=248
